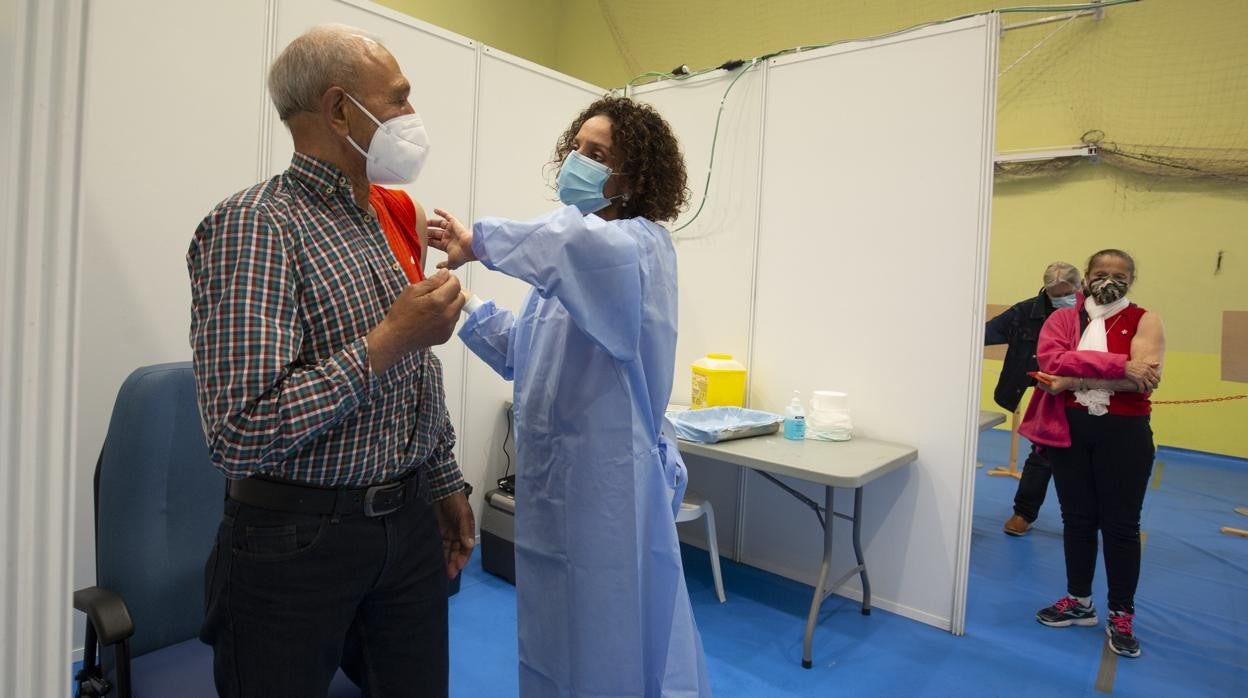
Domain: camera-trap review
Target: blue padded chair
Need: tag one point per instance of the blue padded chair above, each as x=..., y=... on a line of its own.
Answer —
x=158, y=502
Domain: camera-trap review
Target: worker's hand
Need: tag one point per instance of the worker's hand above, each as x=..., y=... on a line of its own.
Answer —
x=1145, y=375
x=424, y=315
x=459, y=532
x=453, y=238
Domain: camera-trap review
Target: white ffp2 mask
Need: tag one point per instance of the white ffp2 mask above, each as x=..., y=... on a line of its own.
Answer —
x=398, y=150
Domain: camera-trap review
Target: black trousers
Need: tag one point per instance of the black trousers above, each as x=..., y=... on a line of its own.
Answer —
x=284, y=590
x=1101, y=480
x=1033, y=485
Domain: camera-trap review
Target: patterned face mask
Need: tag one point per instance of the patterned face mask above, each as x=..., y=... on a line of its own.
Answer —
x=1107, y=290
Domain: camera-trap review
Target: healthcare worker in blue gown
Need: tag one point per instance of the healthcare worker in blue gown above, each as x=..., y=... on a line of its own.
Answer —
x=601, y=603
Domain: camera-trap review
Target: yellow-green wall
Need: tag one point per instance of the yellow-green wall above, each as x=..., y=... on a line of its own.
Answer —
x=571, y=36
x=1175, y=234
x=529, y=28
x=1162, y=72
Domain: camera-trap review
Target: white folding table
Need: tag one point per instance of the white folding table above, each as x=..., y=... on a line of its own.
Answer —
x=989, y=419
x=849, y=464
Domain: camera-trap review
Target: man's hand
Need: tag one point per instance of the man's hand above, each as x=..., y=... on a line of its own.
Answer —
x=424, y=315
x=458, y=528
x=453, y=238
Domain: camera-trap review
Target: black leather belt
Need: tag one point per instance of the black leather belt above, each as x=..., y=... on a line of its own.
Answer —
x=376, y=500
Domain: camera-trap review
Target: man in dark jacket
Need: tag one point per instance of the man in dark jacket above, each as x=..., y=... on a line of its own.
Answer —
x=1019, y=328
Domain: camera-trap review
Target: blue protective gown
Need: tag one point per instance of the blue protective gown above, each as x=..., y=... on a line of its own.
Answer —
x=601, y=603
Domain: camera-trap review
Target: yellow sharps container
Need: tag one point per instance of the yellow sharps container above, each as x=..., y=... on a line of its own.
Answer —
x=718, y=380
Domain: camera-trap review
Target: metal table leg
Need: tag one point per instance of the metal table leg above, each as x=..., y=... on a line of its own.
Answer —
x=822, y=589
x=862, y=564
x=820, y=594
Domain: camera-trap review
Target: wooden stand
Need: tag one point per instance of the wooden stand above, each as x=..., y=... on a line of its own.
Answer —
x=1012, y=470
x=1232, y=531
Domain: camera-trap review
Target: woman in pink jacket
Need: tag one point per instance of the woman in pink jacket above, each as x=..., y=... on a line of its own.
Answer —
x=1099, y=362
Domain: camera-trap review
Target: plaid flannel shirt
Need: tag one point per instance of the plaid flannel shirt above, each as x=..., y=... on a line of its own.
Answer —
x=287, y=279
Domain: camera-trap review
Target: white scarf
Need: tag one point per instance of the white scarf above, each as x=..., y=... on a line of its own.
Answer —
x=1095, y=338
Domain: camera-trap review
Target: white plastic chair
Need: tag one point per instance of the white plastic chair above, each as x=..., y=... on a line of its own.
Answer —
x=692, y=507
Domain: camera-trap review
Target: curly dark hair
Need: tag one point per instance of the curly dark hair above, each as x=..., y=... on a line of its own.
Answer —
x=649, y=156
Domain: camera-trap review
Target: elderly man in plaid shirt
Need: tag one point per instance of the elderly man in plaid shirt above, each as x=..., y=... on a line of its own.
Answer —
x=322, y=402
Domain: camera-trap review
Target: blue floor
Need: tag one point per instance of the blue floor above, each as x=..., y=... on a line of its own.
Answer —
x=1192, y=612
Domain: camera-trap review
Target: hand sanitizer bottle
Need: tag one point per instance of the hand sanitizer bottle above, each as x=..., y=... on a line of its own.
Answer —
x=795, y=419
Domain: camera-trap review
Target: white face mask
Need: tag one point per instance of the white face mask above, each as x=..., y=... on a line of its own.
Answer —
x=398, y=149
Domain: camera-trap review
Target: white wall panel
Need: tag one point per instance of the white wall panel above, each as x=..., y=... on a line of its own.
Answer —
x=42, y=46
x=872, y=255
x=716, y=250
x=816, y=262
x=170, y=126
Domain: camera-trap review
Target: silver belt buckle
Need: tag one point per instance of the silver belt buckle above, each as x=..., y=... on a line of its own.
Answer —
x=380, y=500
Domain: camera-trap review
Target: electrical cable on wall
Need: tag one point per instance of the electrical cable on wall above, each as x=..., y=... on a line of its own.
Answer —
x=507, y=483
x=710, y=165
x=682, y=72
x=505, y=440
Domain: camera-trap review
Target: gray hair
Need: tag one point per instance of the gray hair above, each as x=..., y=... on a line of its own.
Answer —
x=324, y=56
x=1061, y=272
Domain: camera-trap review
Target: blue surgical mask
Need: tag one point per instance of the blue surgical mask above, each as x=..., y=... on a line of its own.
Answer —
x=1063, y=301
x=580, y=183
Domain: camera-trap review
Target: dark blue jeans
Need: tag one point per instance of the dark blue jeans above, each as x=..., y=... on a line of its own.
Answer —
x=1101, y=480
x=283, y=590
x=1033, y=485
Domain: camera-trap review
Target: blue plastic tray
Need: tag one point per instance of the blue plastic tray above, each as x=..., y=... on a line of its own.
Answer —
x=715, y=424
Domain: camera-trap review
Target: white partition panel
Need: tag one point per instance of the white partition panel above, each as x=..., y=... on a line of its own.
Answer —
x=715, y=250
x=42, y=61
x=169, y=128
x=522, y=110
x=875, y=197
x=442, y=69
x=719, y=243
